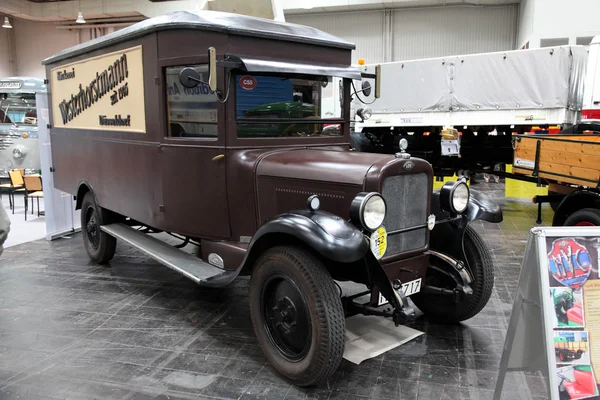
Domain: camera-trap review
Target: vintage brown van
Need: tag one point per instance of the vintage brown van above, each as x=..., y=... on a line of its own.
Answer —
x=180, y=124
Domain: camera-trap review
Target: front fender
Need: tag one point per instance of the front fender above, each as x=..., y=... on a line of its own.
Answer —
x=331, y=236
x=480, y=206
x=448, y=234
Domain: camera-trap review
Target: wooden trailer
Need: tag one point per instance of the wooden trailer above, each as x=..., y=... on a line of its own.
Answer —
x=570, y=165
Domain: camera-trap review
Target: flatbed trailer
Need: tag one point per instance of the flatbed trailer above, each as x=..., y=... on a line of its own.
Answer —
x=461, y=113
x=569, y=163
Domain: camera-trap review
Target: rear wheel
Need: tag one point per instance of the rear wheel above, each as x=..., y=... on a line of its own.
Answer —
x=481, y=268
x=554, y=204
x=297, y=315
x=99, y=245
x=584, y=217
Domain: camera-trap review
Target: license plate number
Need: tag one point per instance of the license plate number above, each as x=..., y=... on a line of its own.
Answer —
x=409, y=288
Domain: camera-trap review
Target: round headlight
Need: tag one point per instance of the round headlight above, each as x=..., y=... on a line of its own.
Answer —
x=454, y=197
x=460, y=197
x=364, y=113
x=368, y=210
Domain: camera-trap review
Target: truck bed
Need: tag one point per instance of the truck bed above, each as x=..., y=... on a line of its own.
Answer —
x=564, y=159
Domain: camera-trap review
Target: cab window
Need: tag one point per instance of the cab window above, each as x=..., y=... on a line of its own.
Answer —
x=191, y=112
x=270, y=106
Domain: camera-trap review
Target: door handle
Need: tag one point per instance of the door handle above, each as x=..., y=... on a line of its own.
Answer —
x=217, y=158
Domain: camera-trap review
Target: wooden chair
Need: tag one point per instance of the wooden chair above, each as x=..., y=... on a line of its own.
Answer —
x=33, y=190
x=16, y=185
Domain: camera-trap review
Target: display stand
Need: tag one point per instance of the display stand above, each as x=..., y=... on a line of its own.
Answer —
x=555, y=321
x=61, y=216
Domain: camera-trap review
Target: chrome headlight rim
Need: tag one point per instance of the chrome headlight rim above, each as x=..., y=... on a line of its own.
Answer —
x=358, y=207
x=364, y=113
x=447, y=196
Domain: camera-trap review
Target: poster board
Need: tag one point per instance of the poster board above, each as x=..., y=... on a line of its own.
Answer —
x=555, y=322
x=102, y=93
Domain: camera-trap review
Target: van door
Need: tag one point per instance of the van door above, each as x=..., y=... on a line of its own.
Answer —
x=194, y=178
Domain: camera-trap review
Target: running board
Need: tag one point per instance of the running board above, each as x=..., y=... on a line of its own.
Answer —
x=178, y=260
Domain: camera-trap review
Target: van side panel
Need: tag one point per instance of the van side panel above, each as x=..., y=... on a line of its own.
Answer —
x=122, y=167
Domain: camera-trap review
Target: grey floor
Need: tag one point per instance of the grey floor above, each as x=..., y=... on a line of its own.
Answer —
x=22, y=231
x=136, y=330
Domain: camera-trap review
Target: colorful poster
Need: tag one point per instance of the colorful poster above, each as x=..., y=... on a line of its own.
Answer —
x=574, y=296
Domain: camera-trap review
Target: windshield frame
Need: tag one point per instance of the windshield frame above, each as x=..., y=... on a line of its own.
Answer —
x=343, y=120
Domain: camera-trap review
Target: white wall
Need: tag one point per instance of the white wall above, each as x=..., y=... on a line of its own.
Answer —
x=5, y=51
x=557, y=19
x=443, y=31
x=419, y=32
x=567, y=18
x=364, y=29
x=526, y=23
x=36, y=41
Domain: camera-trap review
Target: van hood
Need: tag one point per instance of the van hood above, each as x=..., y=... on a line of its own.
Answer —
x=318, y=165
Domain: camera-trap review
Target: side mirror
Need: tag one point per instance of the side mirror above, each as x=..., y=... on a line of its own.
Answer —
x=212, y=69
x=189, y=77
x=377, y=81
x=366, y=88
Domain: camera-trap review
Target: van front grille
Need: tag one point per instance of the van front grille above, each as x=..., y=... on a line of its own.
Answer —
x=407, y=200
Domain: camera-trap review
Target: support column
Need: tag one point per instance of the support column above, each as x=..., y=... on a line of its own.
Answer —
x=388, y=36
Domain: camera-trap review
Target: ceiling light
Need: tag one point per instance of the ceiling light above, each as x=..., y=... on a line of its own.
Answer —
x=80, y=19
x=6, y=23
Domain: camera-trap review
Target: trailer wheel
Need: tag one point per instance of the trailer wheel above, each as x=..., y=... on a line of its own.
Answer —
x=553, y=204
x=578, y=355
x=99, y=245
x=561, y=356
x=297, y=315
x=584, y=217
x=481, y=268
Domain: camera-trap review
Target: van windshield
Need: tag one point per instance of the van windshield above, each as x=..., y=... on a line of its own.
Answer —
x=18, y=108
x=270, y=106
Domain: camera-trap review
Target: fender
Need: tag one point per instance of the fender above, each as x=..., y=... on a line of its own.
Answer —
x=81, y=192
x=449, y=226
x=480, y=206
x=331, y=236
x=583, y=198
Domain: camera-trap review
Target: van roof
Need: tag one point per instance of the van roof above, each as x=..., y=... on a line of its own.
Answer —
x=235, y=24
x=23, y=84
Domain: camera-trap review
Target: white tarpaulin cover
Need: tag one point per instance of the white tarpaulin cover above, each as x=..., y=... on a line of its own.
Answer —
x=521, y=79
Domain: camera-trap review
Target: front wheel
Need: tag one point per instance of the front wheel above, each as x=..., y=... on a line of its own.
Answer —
x=297, y=315
x=481, y=268
x=99, y=245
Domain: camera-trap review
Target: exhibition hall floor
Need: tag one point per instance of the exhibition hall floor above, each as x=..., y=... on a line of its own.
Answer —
x=22, y=231
x=137, y=330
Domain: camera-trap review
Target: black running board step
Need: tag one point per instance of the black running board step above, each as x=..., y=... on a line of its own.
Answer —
x=178, y=260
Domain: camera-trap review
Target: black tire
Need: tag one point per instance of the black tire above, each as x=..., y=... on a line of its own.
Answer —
x=304, y=359
x=481, y=267
x=554, y=204
x=99, y=245
x=562, y=356
x=578, y=355
x=584, y=217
